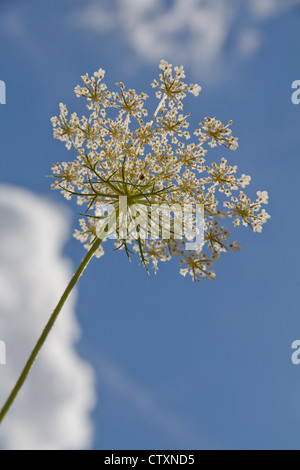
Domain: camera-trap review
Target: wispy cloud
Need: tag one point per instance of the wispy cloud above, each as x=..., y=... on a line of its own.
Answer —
x=53, y=409
x=145, y=404
x=193, y=32
x=266, y=8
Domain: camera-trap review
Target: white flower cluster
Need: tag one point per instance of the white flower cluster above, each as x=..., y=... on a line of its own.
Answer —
x=119, y=152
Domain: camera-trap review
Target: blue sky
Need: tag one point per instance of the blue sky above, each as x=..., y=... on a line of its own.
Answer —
x=178, y=365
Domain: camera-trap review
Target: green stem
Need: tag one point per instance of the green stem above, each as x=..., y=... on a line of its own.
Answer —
x=48, y=328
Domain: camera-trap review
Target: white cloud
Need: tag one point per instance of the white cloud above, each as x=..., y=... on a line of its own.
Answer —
x=266, y=8
x=249, y=41
x=97, y=19
x=186, y=32
x=53, y=409
x=193, y=32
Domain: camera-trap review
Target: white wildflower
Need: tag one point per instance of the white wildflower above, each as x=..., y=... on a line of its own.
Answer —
x=122, y=153
x=263, y=197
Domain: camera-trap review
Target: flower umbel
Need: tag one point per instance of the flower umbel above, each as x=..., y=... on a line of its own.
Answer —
x=121, y=153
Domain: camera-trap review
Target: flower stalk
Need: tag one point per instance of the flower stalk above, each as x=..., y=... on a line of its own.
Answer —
x=48, y=328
